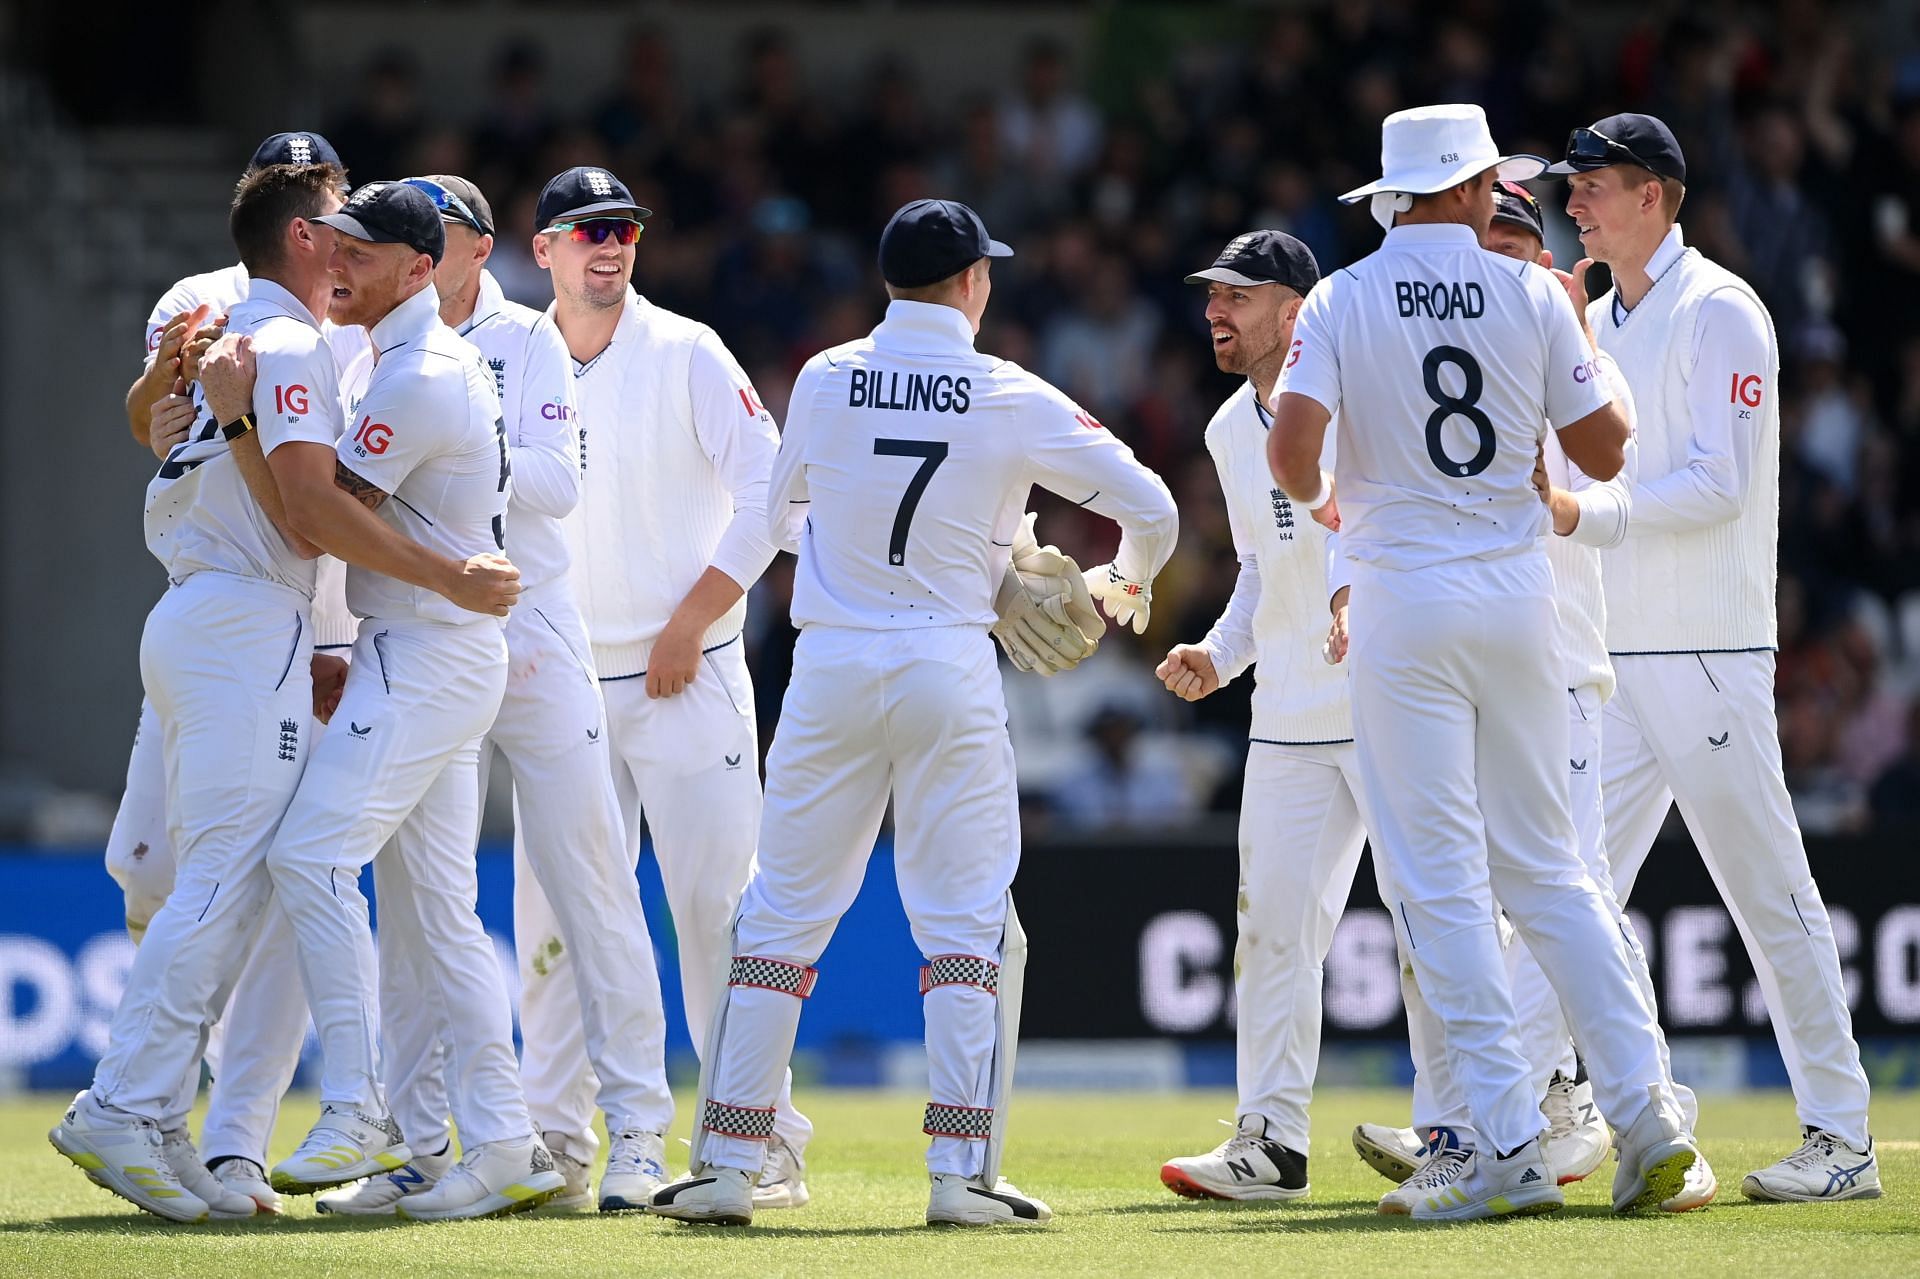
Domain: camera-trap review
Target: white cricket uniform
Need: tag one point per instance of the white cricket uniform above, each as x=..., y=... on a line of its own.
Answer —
x=402, y=758
x=1445, y=364
x=1301, y=831
x=1692, y=631
x=568, y=835
x=226, y=661
x=903, y=474
x=676, y=450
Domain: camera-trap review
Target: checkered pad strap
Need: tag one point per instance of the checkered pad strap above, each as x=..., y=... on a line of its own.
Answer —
x=960, y=970
x=749, y=1123
x=772, y=974
x=969, y=1123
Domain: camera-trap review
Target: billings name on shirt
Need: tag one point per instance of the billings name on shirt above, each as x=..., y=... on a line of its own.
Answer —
x=1438, y=301
x=908, y=392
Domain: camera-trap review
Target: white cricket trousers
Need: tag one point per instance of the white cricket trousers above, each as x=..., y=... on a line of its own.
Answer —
x=1300, y=839
x=1699, y=729
x=1461, y=731
x=402, y=763
x=227, y=663
x=570, y=841
x=917, y=716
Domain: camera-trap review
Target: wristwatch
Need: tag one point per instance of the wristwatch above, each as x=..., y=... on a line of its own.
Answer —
x=238, y=427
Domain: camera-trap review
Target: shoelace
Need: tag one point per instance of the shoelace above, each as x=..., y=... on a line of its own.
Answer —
x=629, y=1153
x=1818, y=1148
x=1438, y=1172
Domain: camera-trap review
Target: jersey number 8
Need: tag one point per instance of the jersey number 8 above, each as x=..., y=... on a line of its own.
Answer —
x=1466, y=405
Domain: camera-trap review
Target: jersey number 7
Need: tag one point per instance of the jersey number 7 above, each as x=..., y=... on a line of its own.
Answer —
x=932, y=453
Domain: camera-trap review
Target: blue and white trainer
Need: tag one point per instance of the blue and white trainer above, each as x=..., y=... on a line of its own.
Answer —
x=1824, y=1168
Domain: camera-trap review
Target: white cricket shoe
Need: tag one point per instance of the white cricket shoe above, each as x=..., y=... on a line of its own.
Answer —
x=1697, y=1191
x=636, y=1167
x=245, y=1177
x=1578, y=1140
x=1824, y=1168
x=706, y=1196
x=966, y=1201
x=1488, y=1186
x=492, y=1179
x=122, y=1153
x=783, y=1180
x=379, y=1196
x=344, y=1145
x=223, y=1204
x=1394, y=1153
x=577, y=1194
x=1441, y=1163
x=1655, y=1154
x=1247, y=1165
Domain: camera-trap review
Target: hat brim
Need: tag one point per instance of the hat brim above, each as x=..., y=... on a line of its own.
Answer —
x=347, y=224
x=593, y=210
x=995, y=249
x=1226, y=275
x=1514, y=168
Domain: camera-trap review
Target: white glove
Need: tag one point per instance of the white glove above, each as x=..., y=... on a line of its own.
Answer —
x=1125, y=600
x=1048, y=622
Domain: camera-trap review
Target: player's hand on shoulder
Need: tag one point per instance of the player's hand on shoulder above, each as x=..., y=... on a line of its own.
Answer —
x=485, y=583
x=1188, y=672
x=673, y=661
x=226, y=377
x=329, y=682
x=172, y=422
x=197, y=344
x=1127, y=602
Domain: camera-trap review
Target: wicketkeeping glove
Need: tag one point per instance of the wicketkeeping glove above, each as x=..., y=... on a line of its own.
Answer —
x=1048, y=622
x=1126, y=601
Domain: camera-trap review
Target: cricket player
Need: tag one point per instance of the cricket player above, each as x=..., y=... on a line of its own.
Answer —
x=669, y=534
x=1691, y=625
x=1446, y=364
x=902, y=478
x=567, y=826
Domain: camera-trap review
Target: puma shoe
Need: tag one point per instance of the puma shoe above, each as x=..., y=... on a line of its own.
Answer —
x=707, y=1196
x=966, y=1201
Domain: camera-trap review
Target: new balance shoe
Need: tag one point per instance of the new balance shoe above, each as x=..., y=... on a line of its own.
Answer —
x=245, y=1177
x=379, y=1196
x=1824, y=1168
x=223, y=1204
x=636, y=1167
x=123, y=1153
x=1441, y=1163
x=783, y=1181
x=1655, y=1154
x=1247, y=1165
x=1577, y=1140
x=344, y=1145
x=492, y=1179
x=1394, y=1153
x=966, y=1201
x=708, y=1197
x=1518, y=1185
x=577, y=1194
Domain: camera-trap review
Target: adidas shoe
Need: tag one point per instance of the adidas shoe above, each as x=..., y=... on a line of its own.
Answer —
x=344, y=1145
x=636, y=1167
x=707, y=1196
x=122, y=1153
x=965, y=1201
x=245, y=1177
x=1246, y=1165
x=1394, y=1153
x=1655, y=1154
x=1824, y=1168
x=1441, y=1164
x=577, y=1194
x=379, y=1196
x=783, y=1181
x=1577, y=1140
x=223, y=1204
x=1518, y=1185
x=492, y=1179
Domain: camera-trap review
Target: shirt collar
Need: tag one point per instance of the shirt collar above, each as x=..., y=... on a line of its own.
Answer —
x=1671, y=247
x=487, y=305
x=1424, y=234
x=408, y=322
x=924, y=328
x=1260, y=411
x=260, y=290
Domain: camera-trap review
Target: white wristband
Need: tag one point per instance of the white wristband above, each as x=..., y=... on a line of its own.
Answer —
x=1325, y=494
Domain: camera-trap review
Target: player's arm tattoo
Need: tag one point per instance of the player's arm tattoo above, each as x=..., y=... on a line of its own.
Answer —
x=365, y=492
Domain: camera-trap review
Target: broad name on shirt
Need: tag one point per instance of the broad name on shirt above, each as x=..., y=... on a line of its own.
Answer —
x=1439, y=301
x=908, y=392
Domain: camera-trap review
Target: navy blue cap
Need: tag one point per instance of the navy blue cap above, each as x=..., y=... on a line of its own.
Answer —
x=929, y=240
x=1263, y=257
x=294, y=148
x=392, y=213
x=584, y=192
x=1627, y=138
x=1515, y=204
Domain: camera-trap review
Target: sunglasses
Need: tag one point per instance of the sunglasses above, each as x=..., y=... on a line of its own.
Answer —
x=596, y=230
x=1589, y=148
x=449, y=204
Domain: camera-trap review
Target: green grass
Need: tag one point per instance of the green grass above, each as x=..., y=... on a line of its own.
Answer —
x=1095, y=1158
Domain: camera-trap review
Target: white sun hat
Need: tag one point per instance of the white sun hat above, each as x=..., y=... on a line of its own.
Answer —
x=1428, y=149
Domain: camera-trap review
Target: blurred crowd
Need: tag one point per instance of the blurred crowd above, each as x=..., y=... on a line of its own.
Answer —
x=1116, y=168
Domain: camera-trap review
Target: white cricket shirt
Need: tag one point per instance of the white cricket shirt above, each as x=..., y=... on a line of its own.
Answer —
x=428, y=433
x=1441, y=361
x=905, y=468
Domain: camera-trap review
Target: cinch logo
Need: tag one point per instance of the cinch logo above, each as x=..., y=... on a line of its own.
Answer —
x=153, y=340
x=752, y=402
x=1746, y=390
x=372, y=437
x=557, y=412
x=1586, y=371
x=1089, y=421
x=290, y=399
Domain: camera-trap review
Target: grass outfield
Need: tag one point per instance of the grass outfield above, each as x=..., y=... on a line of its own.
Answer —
x=1095, y=1159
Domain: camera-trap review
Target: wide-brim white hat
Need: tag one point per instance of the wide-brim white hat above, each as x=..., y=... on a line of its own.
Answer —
x=1429, y=149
